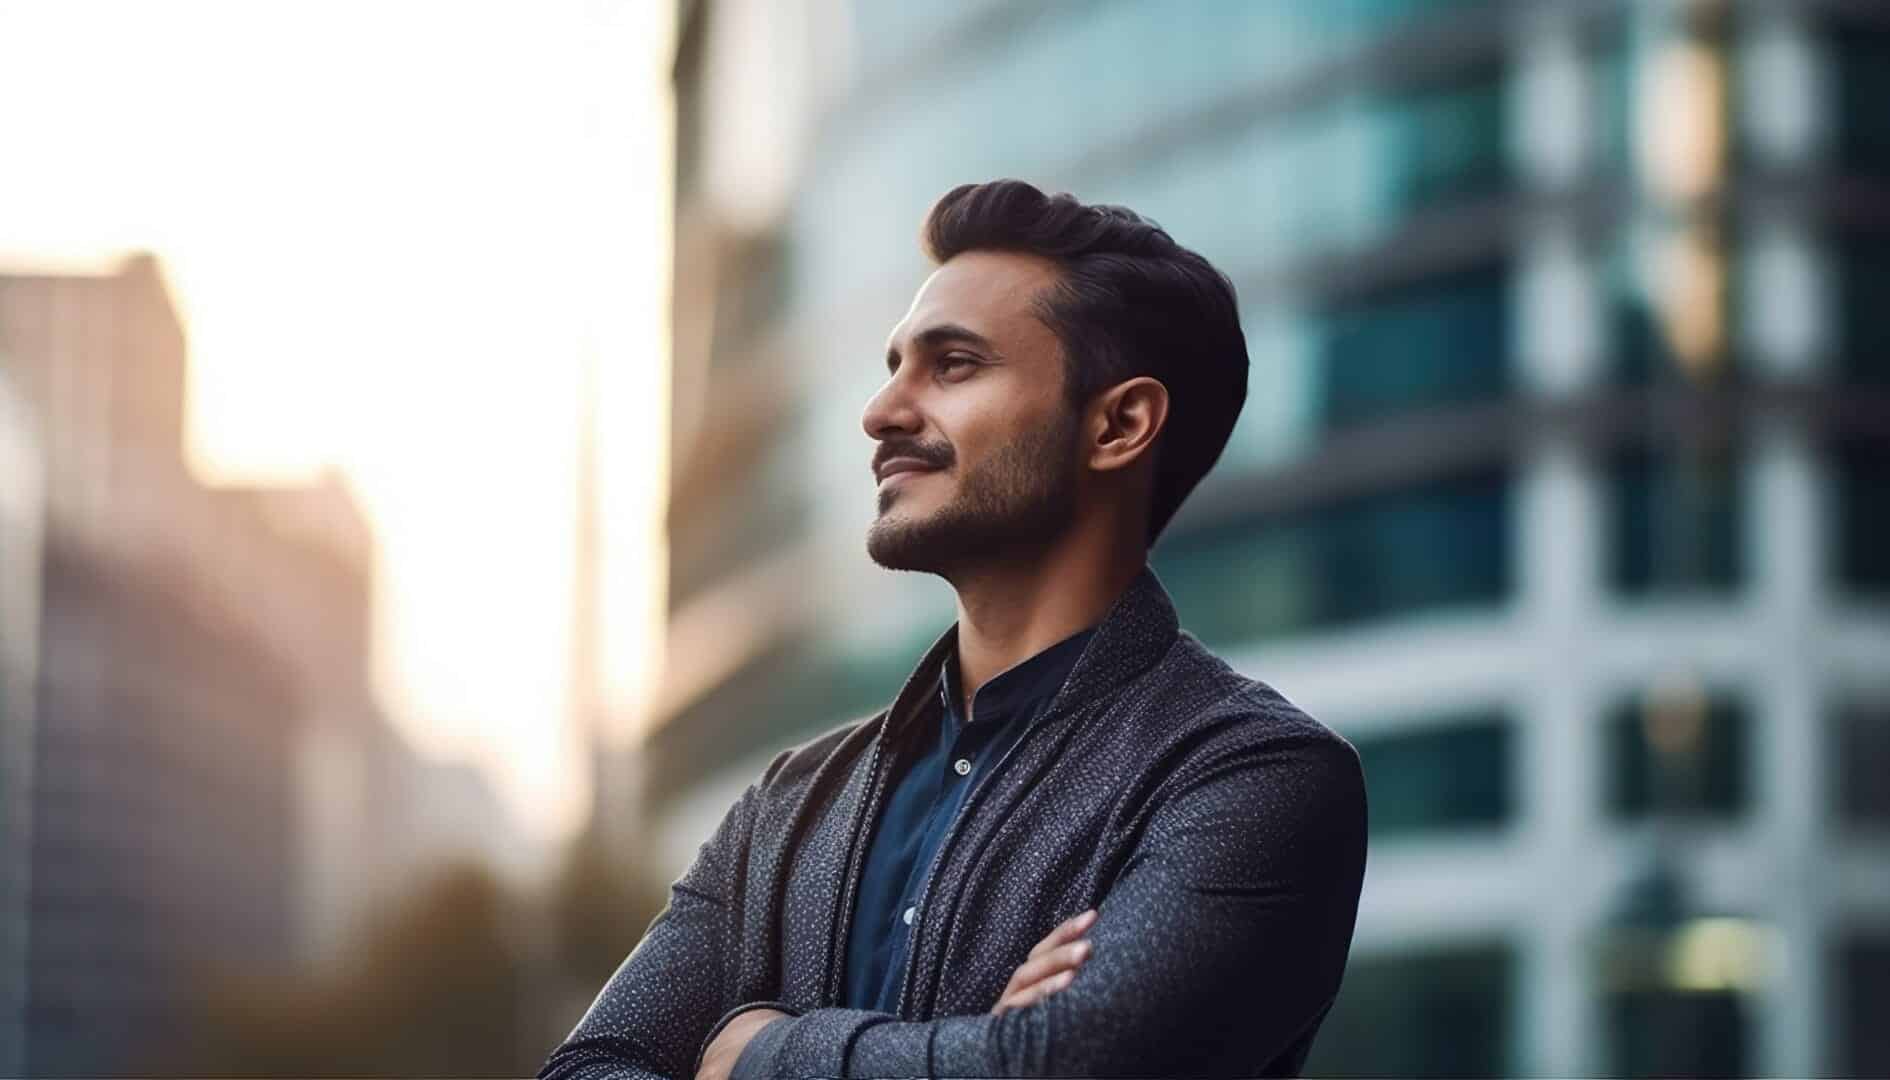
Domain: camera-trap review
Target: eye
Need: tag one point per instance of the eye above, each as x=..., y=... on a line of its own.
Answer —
x=952, y=360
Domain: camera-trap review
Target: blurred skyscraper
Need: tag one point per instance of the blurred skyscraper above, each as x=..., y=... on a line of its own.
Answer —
x=197, y=780
x=1560, y=486
x=137, y=869
x=20, y=527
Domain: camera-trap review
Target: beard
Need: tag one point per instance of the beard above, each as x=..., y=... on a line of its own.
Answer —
x=1018, y=500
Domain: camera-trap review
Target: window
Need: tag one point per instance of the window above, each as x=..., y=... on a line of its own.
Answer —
x=1454, y=772
x=1634, y=337
x=1444, y=340
x=1628, y=84
x=1864, y=309
x=1681, y=753
x=1862, y=61
x=1674, y=520
x=1437, y=1011
x=1443, y=143
x=1668, y=1032
x=1689, y=270
x=1863, y=525
x=1441, y=546
x=1860, y=761
x=1611, y=61
x=1862, y=967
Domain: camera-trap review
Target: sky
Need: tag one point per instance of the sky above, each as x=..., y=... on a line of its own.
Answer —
x=397, y=232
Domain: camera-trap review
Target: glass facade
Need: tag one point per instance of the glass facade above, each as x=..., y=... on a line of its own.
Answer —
x=1638, y=352
x=1439, y=547
x=1338, y=176
x=1861, y=962
x=1682, y=756
x=1441, y=1010
x=1860, y=763
x=1197, y=49
x=1665, y=1032
x=1863, y=518
x=1439, y=773
x=1861, y=58
x=1674, y=520
x=1441, y=340
x=1610, y=60
x=1863, y=296
x=1423, y=238
x=1444, y=143
x=1638, y=271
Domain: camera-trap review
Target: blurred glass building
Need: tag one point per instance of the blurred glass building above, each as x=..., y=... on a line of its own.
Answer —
x=1560, y=487
x=197, y=783
x=21, y=526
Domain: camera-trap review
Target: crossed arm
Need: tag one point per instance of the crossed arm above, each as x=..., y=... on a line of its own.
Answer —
x=1222, y=941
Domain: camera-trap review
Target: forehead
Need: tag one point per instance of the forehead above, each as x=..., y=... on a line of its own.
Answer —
x=989, y=292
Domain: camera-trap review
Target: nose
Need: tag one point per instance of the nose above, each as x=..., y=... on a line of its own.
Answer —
x=889, y=412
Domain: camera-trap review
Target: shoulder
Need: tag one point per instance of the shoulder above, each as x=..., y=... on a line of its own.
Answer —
x=795, y=766
x=1217, y=710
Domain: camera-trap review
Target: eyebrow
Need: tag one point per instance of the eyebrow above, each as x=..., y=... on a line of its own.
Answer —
x=941, y=334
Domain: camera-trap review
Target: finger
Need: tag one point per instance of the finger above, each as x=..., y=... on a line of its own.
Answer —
x=1031, y=972
x=1035, y=971
x=1066, y=930
x=1033, y=994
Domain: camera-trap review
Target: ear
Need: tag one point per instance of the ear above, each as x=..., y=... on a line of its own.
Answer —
x=1123, y=422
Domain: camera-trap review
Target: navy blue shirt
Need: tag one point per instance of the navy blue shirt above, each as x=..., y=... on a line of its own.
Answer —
x=925, y=799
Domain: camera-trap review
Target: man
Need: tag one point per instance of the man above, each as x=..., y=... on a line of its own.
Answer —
x=1077, y=842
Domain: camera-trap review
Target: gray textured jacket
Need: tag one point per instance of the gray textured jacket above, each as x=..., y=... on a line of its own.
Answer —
x=1218, y=830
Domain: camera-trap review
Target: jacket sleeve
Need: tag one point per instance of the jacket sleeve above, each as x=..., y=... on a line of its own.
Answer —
x=655, y=1015
x=1222, y=941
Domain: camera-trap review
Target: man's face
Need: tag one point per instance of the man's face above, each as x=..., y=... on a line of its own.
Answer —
x=974, y=394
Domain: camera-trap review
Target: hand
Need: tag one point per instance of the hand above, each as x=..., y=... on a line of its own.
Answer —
x=1050, y=967
x=719, y=1059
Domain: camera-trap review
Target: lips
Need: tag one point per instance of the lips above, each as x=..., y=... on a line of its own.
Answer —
x=900, y=469
x=900, y=466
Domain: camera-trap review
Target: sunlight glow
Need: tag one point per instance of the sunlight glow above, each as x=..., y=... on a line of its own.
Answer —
x=397, y=232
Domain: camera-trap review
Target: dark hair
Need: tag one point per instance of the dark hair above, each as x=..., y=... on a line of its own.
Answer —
x=1130, y=302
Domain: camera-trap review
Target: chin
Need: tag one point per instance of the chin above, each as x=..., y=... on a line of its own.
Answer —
x=900, y=542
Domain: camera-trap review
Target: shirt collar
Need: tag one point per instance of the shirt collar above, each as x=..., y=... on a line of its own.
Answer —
x=1015, y=688
x=1137, y=632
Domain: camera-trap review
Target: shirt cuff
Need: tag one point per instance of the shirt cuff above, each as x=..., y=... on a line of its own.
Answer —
x=703, y=1050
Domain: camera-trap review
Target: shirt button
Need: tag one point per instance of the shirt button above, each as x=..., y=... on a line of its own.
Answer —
x=909, y=913
x=963, y=765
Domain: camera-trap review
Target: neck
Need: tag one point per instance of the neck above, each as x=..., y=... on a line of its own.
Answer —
x=1009, y=613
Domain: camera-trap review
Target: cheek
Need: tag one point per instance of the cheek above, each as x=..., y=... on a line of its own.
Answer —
x=980, y=424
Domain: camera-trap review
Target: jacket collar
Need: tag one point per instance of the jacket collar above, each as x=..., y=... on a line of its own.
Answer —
x=1136, y=632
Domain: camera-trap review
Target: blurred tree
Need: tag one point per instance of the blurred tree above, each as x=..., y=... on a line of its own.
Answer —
x=461, y=979
x=434, y=987
x=602, y=904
